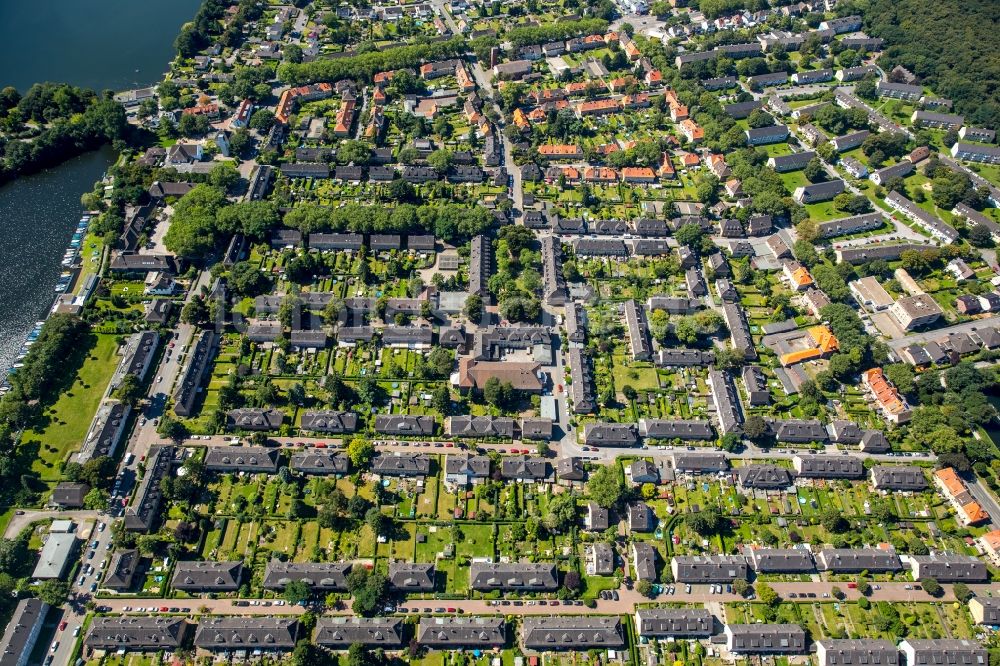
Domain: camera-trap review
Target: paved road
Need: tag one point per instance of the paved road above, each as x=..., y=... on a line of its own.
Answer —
x=927, y=336
x=627, y=602
x=22, y=519
x=986, y=499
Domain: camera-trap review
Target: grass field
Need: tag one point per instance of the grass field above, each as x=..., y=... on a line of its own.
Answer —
x=69, y=418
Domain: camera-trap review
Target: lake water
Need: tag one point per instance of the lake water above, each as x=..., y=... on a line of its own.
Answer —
x=98, y=44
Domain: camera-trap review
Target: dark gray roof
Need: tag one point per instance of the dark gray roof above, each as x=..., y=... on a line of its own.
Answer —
x=411, y=577
x=781, y=560
x=686, y=429
x=241, y=459
x=121, y=572
x=21, y=634
x=797, y=430
x=136, y=633
x=848, y=560
x=766, y=638
x=949, y=568
x=247, y=633
x=145, y=506
x=524, y=467
x=448, y=632
x=253, y=418
x=401, y=464
x=899, y=477
x=320, y=461
x=952, y=651
x=374, y=632
x=874, y=441
x=536, y=428
x=572, y=633
x=813, y=466
x=400, y=424
x=764, y=476
x=570, y=469
x=70, y=495
x=857, y=652
x=610, y=434
x=709, y=568
x=513, y=576
x=207, y=576
x=467, y=464
x=325, y=576
x=674, y=622
x=481, y=426
x=329, y=421
x=708, y=461
x=644, y=560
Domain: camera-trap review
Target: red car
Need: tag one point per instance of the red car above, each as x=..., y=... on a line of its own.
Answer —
x=451, y=610
x=62, y=626
x=164, y=609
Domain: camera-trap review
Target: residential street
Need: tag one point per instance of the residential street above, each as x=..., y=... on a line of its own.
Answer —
x=926, y=336
x=626, y=604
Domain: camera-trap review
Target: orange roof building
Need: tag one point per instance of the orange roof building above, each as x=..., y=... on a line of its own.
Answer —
x=600, y=175
x=537, y=115
x=521, y=120
x=990, y=544
x=636, y=101
x=817, y=342
x=892, y=405
x=691, y=130
x=666, y=169
x=797, y=275
x=678, y=112
x=638, y=175
x=654, y=77
x=556, y=151
x=619, y=84
x=957, y=493
x=690, y=160
x=599, y=107
x=465, y=82
x=578, y=88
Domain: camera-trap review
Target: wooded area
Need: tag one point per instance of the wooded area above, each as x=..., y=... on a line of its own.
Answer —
x=951, y=45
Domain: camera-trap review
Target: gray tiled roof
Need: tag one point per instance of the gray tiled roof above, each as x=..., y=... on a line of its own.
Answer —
x=572, y=633
x=207, y=576
x=513, y=576
x=462, y=631
x=341, y=632
x=674, y=622
x=410, y=577
x=136, y=633
x=326, y=576
x=247, y=633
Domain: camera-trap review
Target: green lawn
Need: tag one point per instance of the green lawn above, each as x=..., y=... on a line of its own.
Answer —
x=68, y=420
